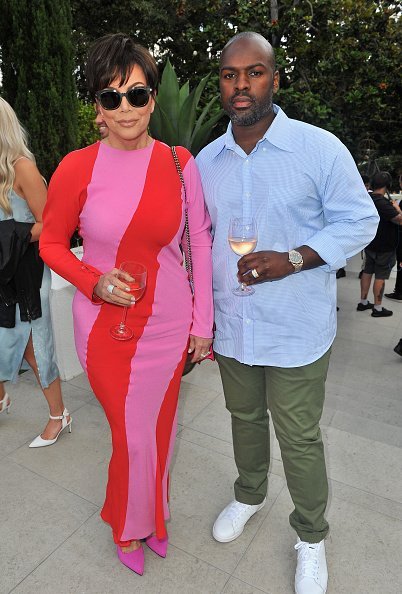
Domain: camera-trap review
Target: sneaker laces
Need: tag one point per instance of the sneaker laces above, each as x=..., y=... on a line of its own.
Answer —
x=308, y=559
x=235, y=509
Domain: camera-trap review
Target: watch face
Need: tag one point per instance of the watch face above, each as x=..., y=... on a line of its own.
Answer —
x=295, y=257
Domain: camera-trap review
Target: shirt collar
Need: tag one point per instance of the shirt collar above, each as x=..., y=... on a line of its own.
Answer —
x=279, y=134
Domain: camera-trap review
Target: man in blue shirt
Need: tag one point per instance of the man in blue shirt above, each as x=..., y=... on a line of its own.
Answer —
x=313, y=212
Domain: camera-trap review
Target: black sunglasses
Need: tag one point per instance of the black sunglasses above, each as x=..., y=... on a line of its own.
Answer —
x=136, y=96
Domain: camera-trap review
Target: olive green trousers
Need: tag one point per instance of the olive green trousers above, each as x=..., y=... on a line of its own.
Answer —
x=294, y=397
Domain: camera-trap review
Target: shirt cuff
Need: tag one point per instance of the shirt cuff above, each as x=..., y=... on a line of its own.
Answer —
x=328, y=250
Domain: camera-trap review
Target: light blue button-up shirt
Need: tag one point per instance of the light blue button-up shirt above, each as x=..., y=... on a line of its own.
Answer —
x=303, y=188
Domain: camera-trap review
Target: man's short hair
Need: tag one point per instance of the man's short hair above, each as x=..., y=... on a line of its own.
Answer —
x=381, y=179
x=252, y=35
x=365, y=178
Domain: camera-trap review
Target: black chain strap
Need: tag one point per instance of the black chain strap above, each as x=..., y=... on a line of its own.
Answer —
x=188, y=256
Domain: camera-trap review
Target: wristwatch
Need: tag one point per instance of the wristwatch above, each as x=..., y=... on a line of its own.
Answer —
x=296, y=259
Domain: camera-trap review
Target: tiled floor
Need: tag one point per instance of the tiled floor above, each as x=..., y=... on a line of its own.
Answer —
x=53, y=541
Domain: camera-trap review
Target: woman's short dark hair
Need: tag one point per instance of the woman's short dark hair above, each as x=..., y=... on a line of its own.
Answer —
x=115, y=55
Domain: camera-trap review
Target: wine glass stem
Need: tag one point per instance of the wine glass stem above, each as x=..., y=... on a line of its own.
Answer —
x=123, y=319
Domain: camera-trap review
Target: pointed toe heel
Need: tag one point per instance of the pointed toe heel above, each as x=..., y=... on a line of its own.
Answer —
x=133, y=560
x=39, y=442
x=158, y=546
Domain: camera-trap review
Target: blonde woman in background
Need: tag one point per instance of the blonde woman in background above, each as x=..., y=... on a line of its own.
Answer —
x=22, y=199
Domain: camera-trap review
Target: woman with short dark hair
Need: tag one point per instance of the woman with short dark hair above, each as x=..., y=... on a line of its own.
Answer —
x=125, y=194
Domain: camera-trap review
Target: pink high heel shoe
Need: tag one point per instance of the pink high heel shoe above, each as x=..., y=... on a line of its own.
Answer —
x=133, y=560
x=158, y=546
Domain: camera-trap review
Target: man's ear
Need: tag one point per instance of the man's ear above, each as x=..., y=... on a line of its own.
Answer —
x=276, y=81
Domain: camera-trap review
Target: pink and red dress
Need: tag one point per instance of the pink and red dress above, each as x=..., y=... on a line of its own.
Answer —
x=129, y=205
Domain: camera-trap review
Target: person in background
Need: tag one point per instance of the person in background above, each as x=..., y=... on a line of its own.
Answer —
x=398, y=348
x=100, y=122
x=302, y=187
x=396, y=295
x=366, y=181
x=25, y=324
x=126, y=196
x=380, y=255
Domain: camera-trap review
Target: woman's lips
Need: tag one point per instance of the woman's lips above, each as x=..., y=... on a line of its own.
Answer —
x=127, y=123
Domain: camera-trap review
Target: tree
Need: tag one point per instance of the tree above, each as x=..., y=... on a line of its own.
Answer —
x=338, y=59
x=37, y=70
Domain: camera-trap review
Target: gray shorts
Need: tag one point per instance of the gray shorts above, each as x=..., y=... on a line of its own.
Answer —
x=379, y=263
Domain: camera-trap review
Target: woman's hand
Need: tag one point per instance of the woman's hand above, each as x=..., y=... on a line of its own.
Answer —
x=200, y=347
x=119, y=295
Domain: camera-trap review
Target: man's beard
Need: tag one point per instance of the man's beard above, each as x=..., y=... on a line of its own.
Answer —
x=257, y=111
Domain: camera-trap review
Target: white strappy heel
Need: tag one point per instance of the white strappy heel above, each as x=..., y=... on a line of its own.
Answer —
x=6, y=402
x=39, y=442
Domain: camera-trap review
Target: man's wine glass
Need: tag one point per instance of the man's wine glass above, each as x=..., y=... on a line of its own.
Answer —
x=135, y=277
x=243, y=240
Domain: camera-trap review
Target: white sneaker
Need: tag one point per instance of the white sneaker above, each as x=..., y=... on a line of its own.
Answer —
x=231, y=521
x=311, y=571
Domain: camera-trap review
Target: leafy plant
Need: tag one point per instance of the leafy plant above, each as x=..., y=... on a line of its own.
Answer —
x=87, y=129
x=177, y=118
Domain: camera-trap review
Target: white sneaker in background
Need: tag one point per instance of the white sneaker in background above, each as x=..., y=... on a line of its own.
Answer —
x=231, y=521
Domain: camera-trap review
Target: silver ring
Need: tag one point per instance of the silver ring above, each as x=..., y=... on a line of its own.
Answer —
x=255, y=273
x=110, y=288
x=203, y=355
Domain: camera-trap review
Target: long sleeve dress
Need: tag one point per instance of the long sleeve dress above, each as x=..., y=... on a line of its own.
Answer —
x=129, y=205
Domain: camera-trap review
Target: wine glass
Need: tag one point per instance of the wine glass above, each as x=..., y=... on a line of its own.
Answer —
x=135, y=277
x=243, y=240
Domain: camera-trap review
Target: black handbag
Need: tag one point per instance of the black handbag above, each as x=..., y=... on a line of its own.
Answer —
x=189, y=365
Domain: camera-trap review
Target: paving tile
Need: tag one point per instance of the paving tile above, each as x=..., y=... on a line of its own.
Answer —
x=29, y=414
x=269, y=561
x=36, y=517
x=205, y=375
x=363, y=551
x=381, y=407
x=351, y=494
x=78, y=461
x=375, y=430
x=214, y=420
x=202, y=485
x=214, y=444
x=192, y=400
x=87, y=563
x=80, y=381
x=365, y=464
x=235, y=586
x=387, y=507
x=56, y=541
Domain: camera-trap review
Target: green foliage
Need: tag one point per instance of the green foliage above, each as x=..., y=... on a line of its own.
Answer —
x=175, y=120
x=339, y=59
x=87, y=129
x=37, y=70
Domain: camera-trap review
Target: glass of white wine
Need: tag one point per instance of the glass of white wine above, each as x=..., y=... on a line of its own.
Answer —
x=135, y=277
x=243, y=240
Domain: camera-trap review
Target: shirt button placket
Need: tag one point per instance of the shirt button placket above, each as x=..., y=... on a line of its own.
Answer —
x=247, y=206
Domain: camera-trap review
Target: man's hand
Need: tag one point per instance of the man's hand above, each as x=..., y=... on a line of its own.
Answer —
x=269, y=265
